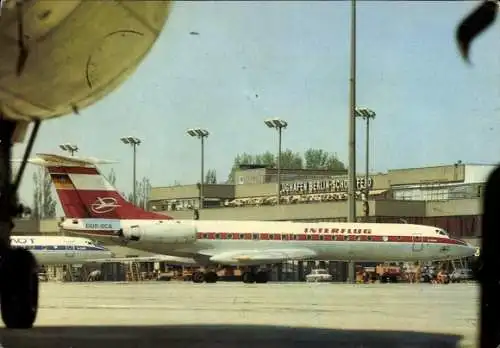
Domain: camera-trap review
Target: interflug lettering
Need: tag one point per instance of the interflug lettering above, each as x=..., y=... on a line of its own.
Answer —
x=337, y=230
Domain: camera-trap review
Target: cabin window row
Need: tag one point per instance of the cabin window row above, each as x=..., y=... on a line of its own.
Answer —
x=256, y=236
x=60, y=247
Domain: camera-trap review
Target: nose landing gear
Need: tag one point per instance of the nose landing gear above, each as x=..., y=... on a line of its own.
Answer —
x=18, y=267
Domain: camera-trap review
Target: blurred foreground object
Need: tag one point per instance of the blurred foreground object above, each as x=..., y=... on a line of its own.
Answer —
x=486, y=267
x=474, y=24
x=57, y=57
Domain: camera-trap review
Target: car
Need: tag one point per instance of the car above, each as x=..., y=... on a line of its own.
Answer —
x=429, y=273
x=319, y=275
x=461, y=274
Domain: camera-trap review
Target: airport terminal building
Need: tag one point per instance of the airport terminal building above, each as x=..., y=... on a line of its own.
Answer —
x=447, y=196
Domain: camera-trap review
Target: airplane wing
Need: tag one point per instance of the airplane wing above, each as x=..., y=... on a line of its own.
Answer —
x=258, y=256
x=173, y=260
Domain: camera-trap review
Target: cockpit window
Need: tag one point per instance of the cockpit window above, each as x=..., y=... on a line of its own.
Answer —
x=92, y=243
x=96, y=243
x=442, y=233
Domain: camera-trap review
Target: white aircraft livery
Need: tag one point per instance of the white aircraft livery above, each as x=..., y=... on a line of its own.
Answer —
x=61, y=249
x=93, y=207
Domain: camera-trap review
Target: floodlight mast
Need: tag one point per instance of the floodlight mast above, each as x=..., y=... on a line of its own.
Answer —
x=134, y=142
x=366, y=114
x=279, y=125
x=68, y=147
x=201, y=134
x=351, y=172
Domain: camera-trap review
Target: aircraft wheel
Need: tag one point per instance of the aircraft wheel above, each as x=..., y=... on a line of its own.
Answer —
x=18, y=288
x=211, y=277
x=248, y=277
x=261, y=277
x=198, y=277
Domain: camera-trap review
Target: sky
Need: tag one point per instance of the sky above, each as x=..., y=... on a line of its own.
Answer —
x=256, y=60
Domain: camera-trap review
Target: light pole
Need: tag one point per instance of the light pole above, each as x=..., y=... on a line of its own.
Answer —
x=200, y=134
x=366, y=114
x=71, y=148
x=134, y=142
x=279, y=125
x=351, y=172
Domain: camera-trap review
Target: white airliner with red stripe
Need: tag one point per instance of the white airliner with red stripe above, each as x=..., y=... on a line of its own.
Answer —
x=93, y=207
x=61, y=250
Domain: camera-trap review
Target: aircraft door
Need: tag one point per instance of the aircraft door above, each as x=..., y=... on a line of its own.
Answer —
x=70, y=250
x=417, y=242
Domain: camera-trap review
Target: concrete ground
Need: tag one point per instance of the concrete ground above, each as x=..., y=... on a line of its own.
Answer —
x=182, y=314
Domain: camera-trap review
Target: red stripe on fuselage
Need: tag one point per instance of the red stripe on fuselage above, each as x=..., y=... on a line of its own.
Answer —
x=73, y=170
x=285, y=237
x=325, y=237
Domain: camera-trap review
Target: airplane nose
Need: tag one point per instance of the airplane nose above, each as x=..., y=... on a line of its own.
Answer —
x=470, y=250
x=464, y=249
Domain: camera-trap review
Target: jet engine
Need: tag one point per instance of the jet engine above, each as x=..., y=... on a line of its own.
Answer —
x=166, y=233
x=57, y=57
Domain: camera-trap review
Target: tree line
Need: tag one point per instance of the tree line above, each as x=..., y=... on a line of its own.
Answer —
x=310, y=159
x=44, y=204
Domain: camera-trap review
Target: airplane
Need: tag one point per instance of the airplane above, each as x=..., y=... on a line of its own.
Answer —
x=59, y=250
x=93, y=207
x=66, y=250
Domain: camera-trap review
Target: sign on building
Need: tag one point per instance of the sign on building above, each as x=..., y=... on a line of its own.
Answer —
x=323, y=186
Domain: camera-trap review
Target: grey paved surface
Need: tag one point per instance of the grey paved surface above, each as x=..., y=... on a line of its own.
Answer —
x=177, y=314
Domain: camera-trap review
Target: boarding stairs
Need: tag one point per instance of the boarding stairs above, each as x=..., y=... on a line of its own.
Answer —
x=133, y=272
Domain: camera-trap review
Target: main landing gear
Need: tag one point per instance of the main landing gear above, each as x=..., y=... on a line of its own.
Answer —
x=18, y=267
x=207, y=277
x=250, y=276
x=255, y=276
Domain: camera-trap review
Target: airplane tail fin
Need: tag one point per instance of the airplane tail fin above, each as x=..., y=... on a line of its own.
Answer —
x=85, y=193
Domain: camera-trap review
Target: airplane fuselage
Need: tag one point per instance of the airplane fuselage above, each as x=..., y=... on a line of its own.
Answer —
x=57, y=250
x=328, y=241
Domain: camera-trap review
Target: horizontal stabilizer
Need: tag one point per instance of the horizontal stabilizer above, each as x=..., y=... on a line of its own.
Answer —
x=43, y=159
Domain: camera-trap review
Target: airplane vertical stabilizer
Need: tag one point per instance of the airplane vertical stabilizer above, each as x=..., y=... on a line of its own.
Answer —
x=85, y=193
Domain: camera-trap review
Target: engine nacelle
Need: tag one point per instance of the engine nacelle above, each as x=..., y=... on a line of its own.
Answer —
x=165, y=232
